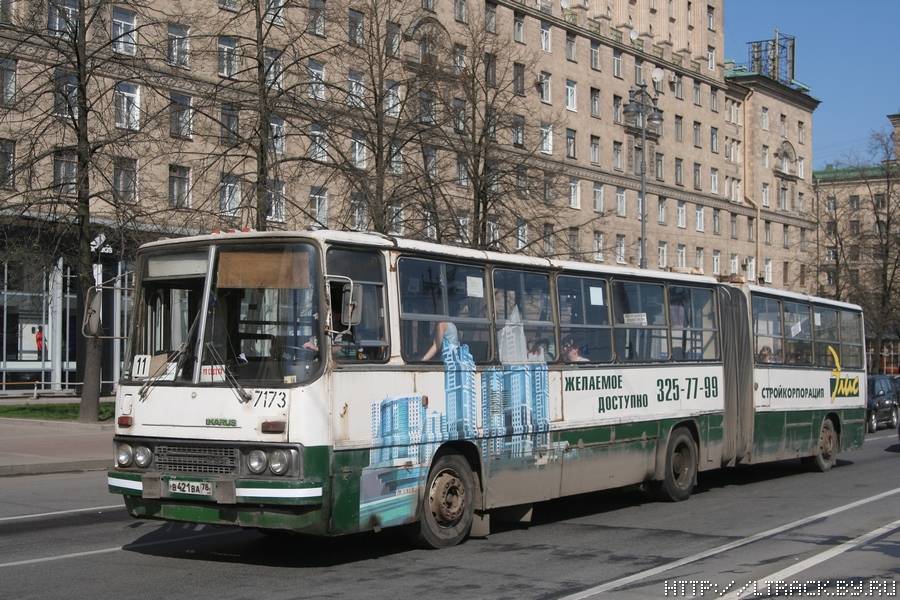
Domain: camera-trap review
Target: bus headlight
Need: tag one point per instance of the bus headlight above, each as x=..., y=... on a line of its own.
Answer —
x=124, y=455
x=279, y=461
x=256, y=461
x=142, y=456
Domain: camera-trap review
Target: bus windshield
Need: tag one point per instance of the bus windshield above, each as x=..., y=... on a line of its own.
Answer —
x=261, y=325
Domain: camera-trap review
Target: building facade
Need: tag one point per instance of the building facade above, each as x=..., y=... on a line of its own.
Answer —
x=499, y=123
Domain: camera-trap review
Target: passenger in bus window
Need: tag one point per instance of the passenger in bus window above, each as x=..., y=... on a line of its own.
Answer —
x=444, y=331
x=765, y=355
x=538, y=350
x=571, y=351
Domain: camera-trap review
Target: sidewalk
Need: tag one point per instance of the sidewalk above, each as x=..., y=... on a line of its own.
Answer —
x=32, y=447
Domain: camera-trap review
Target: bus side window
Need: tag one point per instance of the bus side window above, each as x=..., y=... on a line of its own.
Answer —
x=692, y=312
x=851, y=340
x=366, y=341
x=767, y=330
x=825, y=332
x=442, y=306
x=797, y=334
x=584, y=319
x=523, y=315
x=641, y=328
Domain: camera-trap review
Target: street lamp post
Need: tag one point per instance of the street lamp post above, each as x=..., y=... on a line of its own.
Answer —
x=642, y=107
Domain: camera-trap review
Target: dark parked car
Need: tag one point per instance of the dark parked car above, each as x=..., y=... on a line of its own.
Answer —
x=882, y=402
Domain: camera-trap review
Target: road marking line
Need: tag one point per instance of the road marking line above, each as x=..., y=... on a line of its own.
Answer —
x=60, y=512
x=623, y=581
x=44, y=559
x=812, y=561
x=881, y=437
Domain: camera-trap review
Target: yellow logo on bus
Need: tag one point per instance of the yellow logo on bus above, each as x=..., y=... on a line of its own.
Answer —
x=841, y=387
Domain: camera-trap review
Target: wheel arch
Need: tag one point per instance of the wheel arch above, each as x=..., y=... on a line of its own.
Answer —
x=835, y=419
x=470, y=452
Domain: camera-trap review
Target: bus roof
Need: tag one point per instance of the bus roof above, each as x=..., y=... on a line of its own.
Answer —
x=802, y=297
x=387, y=242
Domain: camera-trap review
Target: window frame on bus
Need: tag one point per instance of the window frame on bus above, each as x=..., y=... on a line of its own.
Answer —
x=585, y=279
x=552, y=323
x=487, y=297
x=666, y=327
x=716, y=329
x=385, y=282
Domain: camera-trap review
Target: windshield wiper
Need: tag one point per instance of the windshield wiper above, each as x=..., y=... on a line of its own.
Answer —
x=176, y=358
x=242, y=394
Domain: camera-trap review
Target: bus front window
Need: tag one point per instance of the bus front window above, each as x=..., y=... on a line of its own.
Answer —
x=262, y=324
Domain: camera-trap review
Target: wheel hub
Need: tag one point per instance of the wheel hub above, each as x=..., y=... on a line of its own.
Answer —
x=447, y=498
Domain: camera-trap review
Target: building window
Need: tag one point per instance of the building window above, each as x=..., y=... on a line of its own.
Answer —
x=229, y=194
x=518, y=131
x=595, y=55
x=519, y=79
x=545, y=82
x=699, y=259
x=681, y=256
x=228, y=62
x=545, y=36
x=700, y=218
x=714, y=139
x=617, y=156
x=461, y=11
x=681, y=214
x=679, y=128
x=662, y=255
x=571, y=100
x=717, y=221
x=230, y=124
x=7, y=163
x=570, y=143
x=661, y=211
x=570, y=47
x=318, y=207
x=697, y=135
x=598, y=246
x=277, y=134
x=65, y=172
x=547, y=138
x=801, y=168
x=274, y=69
x=658, y=166
x=519, y=27
x=275, y=200
x=7, y=81
x=318, y=143
x=128, y=106
x=124, y=31
x=679, y=172
x=716, y=262
x=786, y=236
x=620, y=249
x=733, y=264
x=782, y=125
x=764, y=118
x=355, y=89
x=698, y=99
x=392, y=41
x=767, y=232
x=181, y=116
x=595, y=150
x=490, y=69
x=521, y=233
x=617, y=63
x=316, y=72
x=490, y=17
x=617, y=109
x=765, y=195
x=713, y=99
x=316, y=17
x=621, y=204
x=178, y=48
x=801, y=132
x=392, y=98
x=179, y=186
x=713, y=180
x=598, y=197
x=548, y=239
x=358, y=150
x=767, y=270
x=711, y=58
x=638, y=71
x=574, y=193
x=679, y=87
x=595, y=102
x=698, y=183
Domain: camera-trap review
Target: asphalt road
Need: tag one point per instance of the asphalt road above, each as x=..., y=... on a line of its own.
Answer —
x=756, y=528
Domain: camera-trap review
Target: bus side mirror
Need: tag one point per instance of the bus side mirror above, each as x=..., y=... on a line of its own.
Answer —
x=351, y=305
x=90, y=324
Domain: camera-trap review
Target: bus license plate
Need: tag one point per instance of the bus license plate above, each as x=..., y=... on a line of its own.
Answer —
x=196, y=488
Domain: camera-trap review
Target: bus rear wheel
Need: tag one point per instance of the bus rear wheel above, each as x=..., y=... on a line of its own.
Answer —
x=826, y=452
x=448, y=505
x=681, y=466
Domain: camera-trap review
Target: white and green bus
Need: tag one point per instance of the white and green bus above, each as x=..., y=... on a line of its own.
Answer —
x=330, y=383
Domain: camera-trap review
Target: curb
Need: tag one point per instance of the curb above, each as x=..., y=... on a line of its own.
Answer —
x=59, y=424
x=75, y=466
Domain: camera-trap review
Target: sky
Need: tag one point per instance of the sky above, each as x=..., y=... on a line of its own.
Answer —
x=846, y=53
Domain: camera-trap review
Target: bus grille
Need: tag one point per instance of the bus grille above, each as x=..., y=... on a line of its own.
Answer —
x=197, y=459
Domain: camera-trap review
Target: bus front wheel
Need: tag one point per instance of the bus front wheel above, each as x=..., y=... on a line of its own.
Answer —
x=448, y=505
x=681, y=466
x=826, y=451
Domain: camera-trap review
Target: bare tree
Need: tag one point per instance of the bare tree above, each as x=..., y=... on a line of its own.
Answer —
x=76, y=123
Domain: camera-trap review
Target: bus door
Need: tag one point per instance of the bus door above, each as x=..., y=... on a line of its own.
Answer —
x=737, y=353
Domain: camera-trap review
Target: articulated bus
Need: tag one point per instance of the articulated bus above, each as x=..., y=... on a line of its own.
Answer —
x=330, y=383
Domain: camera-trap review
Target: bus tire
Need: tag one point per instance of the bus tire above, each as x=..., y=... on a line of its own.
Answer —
x=827, y=449
x=681, y=466
x=448, y=504
x=894, y=418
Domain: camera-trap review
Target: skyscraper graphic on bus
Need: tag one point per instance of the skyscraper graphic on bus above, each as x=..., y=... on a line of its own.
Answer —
x=459, y=390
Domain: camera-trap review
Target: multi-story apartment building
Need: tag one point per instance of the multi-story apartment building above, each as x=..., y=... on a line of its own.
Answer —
x=494, y=122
